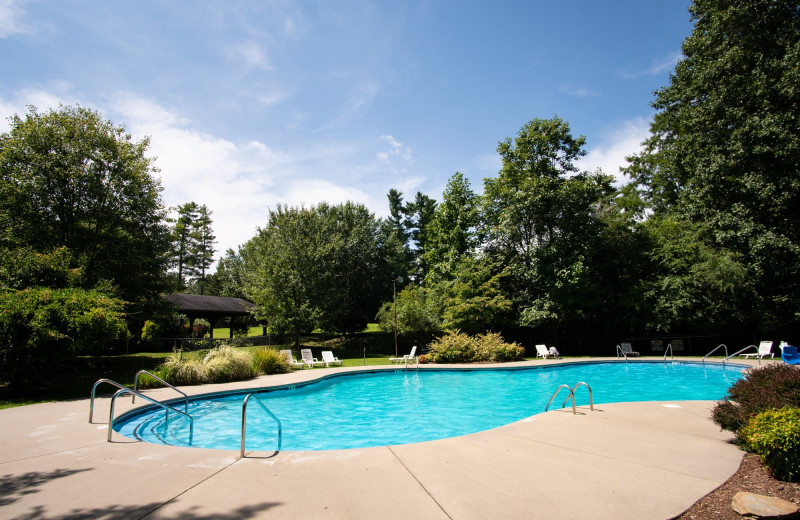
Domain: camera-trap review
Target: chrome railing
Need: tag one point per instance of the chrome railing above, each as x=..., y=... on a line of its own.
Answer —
x=136, y=384
x=620, y=351
x=100, y=381
x=166, y=407
x=669, y=349
x=244, y=421
x=571, y=394
x=740, y=351
x=716, y=349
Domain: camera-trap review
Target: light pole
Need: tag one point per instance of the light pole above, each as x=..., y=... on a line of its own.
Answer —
x=399, y=279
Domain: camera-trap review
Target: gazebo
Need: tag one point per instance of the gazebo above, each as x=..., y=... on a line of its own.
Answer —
x=210, y=308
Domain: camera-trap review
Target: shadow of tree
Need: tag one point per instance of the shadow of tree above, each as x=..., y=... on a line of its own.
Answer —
x=144, y=511
x=13, y=487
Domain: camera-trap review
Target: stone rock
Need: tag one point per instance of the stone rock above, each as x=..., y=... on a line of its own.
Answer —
x=763, y=507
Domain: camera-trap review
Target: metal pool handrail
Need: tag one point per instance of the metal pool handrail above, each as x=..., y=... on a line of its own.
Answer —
x=740, y=351
x=716, y=349
x=669, y=349
x=572, y=391
x=166, y=407
x=244, y=420
x=136, y=384
x=97, y=383
x=620, y=351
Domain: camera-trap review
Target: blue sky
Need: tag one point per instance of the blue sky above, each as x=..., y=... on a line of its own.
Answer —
x=254, y=103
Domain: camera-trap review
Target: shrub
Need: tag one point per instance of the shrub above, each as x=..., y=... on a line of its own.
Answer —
x=453, y=347
x=457, y=347
x=269, y=361
x=775, y=436
x=226, y=363
x=770, y=387
x=221, y=364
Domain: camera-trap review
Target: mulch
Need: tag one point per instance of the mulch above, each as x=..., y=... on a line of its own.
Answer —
x=752, y=477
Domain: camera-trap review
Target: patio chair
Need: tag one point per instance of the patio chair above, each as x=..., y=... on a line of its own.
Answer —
x=328, y=358
x=287, y=354
x=309, y=359
x=628, y=350
x=790, y=355
x=764, y=350
x=406, y=358
x=543, y=352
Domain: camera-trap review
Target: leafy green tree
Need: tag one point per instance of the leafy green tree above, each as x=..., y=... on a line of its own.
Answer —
x=281, y=270
x=354, y=270
x=475, y=301
x=320, y=267
x=419, y=313
x=540, y=220
x=41, y=325
x=227, y=279
x=70, y=179
x=725, y=147
x=451, y=233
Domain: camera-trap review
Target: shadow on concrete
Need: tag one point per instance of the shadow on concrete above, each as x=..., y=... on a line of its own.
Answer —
x=144, y=511
x=13, y=487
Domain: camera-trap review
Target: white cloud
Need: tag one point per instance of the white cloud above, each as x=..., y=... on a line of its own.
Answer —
x=618, y=143
x=253, y=54
x=396, y=149
x=656, y=68
x=580, y=92
x=11, y=22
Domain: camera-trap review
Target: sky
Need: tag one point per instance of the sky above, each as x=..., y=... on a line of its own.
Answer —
x=251, y=104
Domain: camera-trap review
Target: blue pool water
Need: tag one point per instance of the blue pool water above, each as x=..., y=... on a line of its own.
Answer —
x=398, y=407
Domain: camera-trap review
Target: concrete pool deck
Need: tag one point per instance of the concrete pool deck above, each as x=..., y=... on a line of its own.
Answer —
x=648, y=460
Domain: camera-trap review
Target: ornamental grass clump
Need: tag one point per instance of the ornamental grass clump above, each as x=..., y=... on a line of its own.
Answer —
x=222, y=364
x=766, y=388
x=774, y=435
x=269, y=361
x=457, y=347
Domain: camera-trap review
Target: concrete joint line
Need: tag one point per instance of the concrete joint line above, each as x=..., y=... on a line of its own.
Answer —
x=418, y=482
x=51, y=453
x=220, y=470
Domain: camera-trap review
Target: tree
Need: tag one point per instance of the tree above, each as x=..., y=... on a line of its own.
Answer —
x=320, y=267
x=474, y=299
x=204, y=249
x=419, y=313
x=419, y=215
x=192, y=244
x=183, y=241
x=451, y=233
x=70, y=179
x=725, y=146
x=540, y=220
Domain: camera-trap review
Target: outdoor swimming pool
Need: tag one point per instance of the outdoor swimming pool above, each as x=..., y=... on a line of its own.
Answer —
x=378, y=408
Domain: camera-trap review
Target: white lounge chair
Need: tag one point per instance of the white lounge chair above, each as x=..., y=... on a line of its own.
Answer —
x=543, y=352
x=628, y=350
x=287, y=354
x=309, y=358
x=328, y=358
x=764, y=350
x=406, y=358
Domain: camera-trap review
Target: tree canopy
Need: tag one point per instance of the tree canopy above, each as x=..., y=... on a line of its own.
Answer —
x=70, y=179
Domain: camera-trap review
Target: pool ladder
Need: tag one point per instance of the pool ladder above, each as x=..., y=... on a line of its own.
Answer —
x=571, y=394
x=244, y=421
x=124, y=390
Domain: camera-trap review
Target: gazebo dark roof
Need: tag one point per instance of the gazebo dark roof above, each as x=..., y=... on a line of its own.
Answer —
x=210, y=308
x=199, y=304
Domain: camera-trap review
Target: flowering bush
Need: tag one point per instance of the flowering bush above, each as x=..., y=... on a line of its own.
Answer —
x=775, y=436
x=766, y=388
x=457, y=347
